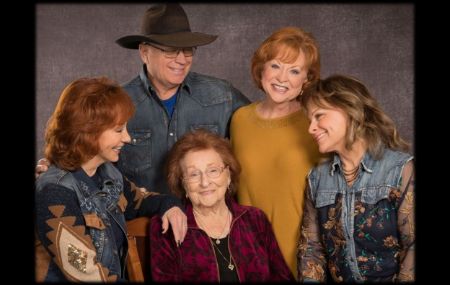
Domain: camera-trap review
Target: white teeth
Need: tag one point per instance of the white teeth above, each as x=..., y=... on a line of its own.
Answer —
x=320, y=136
x=279, y=87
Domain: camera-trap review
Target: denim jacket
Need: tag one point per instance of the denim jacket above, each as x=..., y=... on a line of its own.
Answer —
x=202, y=102
x=356, y=228
x=94, y=201
x=82, y=224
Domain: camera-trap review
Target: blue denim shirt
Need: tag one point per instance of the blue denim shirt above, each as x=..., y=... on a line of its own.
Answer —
x=101, y=202
x=356, y=223
x=202, y=102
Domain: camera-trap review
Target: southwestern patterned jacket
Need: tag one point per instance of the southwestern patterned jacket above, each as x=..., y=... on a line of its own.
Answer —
x=252, y=244
x=81, y=226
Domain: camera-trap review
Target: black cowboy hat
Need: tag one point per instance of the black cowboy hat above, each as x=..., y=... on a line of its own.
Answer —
x=167, y=25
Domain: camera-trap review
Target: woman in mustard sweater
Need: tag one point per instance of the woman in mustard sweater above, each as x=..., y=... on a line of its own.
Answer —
x=270, y=138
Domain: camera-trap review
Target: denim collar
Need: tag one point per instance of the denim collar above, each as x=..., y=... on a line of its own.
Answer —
x=367, y=163
x=150, y=90
x=88, y=187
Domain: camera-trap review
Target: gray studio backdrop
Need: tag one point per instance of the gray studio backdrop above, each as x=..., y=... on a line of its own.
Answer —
x=374, y=42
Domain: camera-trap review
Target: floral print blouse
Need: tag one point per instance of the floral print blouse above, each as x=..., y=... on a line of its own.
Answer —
x=362, y=232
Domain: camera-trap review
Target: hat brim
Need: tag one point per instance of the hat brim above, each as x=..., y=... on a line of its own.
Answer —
x=183, y=39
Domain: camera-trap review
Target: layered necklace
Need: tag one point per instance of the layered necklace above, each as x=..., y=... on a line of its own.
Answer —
x=350, y=175
x=230, y=264
x=203, y=225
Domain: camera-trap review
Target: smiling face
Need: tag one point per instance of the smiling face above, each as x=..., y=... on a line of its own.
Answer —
x=281, y=81
x=207, y=192
x=165, y=73
x=328, y=127
x=110, y=142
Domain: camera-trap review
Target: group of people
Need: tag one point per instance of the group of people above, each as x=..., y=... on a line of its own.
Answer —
x=312, y=182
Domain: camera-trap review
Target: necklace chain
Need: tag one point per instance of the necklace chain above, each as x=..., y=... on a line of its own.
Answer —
x=351, y=175
x=230, y=265
x=217, y=239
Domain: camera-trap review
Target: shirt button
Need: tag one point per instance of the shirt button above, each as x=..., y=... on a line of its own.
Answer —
x=171, y=134
x=134, y=140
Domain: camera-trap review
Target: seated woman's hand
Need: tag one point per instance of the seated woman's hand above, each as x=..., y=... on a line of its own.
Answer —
x=178, y=221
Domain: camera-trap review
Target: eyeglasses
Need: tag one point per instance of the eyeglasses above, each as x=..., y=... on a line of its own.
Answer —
x=173, y=52
x=211, y=172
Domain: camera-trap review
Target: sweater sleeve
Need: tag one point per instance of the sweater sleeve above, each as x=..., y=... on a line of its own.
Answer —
x=143, y=203
x=165, y=257
x=311, y=256
x=61, y=228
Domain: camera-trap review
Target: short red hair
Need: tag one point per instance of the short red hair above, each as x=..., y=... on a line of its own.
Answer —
x=286, y=43
x=86, y=108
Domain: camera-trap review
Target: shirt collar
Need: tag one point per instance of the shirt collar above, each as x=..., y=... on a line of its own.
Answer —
x=367, y=163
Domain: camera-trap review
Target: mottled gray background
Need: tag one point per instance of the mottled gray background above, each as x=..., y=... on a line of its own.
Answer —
x=374, y=42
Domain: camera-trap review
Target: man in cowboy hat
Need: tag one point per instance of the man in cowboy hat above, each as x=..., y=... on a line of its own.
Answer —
x=170, y=100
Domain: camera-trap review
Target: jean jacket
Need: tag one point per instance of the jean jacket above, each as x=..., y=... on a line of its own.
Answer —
x=202, y=102
x=81, y=222
x=363, y=232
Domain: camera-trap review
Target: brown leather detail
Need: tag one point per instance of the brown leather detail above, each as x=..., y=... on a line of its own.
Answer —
x=54, y=223
x=42, y=261
x=79, y=230
x=65, y=236
x=139, y=194
x=122, y=204
x=57, y=210
x=112, y=279
x=64, y=233
x=94, y=221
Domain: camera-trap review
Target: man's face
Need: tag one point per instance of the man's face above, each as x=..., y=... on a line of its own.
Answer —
x=166, y=66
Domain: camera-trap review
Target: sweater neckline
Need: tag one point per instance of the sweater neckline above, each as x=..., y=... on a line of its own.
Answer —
x=276, y=122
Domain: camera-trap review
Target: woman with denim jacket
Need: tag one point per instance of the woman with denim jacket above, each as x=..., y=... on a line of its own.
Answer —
x=359, y=208
x=82, y=201
x=225, y=242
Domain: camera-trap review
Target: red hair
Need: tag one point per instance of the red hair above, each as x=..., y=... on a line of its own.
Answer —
x=286, y=44
x=86, y=108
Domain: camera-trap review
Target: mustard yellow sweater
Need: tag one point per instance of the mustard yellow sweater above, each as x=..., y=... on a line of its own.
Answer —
x=275, y=155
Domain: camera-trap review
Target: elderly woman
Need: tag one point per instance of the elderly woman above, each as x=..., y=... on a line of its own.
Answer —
x=225, y=242
x=359, y=211
x=270, y=138
x=82, y=201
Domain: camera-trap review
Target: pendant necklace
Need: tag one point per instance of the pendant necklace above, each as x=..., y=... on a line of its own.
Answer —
x=217, y=239
x=230, y=265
